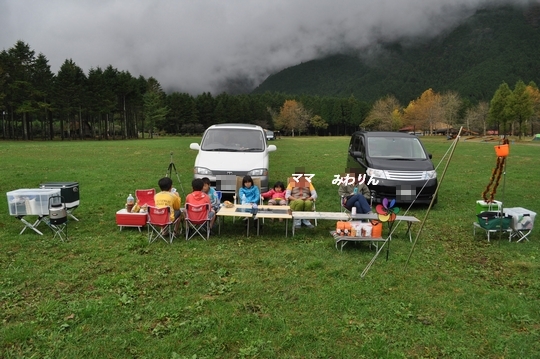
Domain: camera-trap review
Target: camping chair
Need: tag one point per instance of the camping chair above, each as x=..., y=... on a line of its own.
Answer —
x=160, y=224
x=197, y=219
x=145, y=197
x=256, y=182
x=294, y=184
x=343, y=200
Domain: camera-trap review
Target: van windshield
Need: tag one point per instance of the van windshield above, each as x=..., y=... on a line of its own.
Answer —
x=395, y=148
x=233, y=140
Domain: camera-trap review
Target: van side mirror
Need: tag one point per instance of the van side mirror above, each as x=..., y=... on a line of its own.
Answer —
x=429, y=155
x=195, y=146
x=272, y=148
x=357, y=154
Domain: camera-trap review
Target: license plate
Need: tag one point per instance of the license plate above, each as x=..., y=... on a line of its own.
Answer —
x=226, y=183
x=406, y=193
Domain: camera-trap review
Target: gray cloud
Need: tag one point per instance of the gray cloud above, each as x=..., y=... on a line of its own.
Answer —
x=193, y=46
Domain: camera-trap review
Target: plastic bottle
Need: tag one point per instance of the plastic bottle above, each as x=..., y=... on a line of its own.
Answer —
x=244, y=198
x=353, y=211
x=130, y=202
x=355, y=190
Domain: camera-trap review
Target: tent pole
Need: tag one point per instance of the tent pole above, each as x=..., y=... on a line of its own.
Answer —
x=434, y=196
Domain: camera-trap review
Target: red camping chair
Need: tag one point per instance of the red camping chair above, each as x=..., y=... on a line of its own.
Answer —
x=145, y=196
x=197, y=219
x=160, y=224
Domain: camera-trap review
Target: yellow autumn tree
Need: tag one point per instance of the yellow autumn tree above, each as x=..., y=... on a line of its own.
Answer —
x=534, y=94
x=425, y=111
x=292, y=117
x=384, y=115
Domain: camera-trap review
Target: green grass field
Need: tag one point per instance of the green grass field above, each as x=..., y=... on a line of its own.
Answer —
x=109, y=294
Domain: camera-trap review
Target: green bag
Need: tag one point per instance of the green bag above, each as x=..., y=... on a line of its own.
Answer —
x=494, y=220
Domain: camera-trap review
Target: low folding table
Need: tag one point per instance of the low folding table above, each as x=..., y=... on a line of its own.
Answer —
x=238, y=210
x=489, y=231
x=343, y=240
x=274, y=212
x=520, y=226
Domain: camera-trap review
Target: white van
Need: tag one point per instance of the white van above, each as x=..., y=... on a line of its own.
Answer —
x=229, y=150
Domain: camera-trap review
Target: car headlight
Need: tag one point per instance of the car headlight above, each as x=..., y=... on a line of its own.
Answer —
x=202, y=171
x=371, y=172
x=258, y=172
x=427, y=175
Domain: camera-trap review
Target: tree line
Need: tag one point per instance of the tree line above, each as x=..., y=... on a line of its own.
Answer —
x=111, y=104
x=36, y=103
x=514, y=112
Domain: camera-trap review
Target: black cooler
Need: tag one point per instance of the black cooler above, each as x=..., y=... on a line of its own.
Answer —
x=68, y=190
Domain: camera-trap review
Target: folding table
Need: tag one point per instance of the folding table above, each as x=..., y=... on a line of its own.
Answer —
x=274, y=212
x=489, y=231
x=238, y=210
x=343, y=240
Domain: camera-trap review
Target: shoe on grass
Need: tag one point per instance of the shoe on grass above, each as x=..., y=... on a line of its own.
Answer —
x=307, y=223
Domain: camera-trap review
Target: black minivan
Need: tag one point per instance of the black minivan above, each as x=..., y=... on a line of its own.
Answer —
x=396, y=166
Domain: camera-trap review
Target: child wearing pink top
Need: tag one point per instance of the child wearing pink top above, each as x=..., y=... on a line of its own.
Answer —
x=276, y=195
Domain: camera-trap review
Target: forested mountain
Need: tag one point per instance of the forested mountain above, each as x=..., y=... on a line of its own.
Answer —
x=331, y=96
x=492, y=46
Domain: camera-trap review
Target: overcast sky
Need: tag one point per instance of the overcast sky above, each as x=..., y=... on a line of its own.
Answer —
x=195, y=45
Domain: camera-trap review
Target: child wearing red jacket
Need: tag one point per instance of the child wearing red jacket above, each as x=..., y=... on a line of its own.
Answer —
x=276, y=195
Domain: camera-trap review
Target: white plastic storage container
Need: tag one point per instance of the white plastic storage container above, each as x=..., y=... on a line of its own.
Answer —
x=30, y=201
x=522, y=219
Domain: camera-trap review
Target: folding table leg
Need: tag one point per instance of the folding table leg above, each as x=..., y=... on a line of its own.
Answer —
x=31, y=226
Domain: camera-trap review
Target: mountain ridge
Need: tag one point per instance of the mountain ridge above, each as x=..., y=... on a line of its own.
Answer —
x=492, y=46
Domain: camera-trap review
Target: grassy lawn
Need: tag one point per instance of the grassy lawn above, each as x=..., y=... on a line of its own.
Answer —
x=109, y=294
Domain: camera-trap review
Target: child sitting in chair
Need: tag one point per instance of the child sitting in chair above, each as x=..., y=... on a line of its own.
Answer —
x=211, y=192
x=276, y=196
x=249, y=193
x=168, y=197
x=198, y=197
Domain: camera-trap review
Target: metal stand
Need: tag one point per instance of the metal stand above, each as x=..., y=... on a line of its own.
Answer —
x=170, y=169
x=60, y=230
x=32, y=226
x=502, y=199
x=57, y=220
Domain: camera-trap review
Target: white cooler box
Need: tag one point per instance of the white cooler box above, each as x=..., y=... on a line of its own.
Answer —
x=522, y=219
